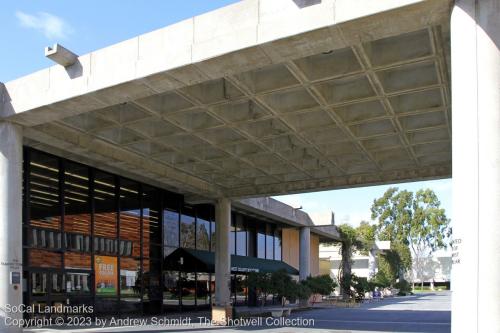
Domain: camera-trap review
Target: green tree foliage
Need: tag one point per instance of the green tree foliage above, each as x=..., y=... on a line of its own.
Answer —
x=409, y=220
x=366, y=234
x=281, y=284
x=322, y=284
x=261, y=282
x=350, y=241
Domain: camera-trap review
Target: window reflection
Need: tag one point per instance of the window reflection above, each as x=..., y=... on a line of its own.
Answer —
x=212, y=236
x=171, y=227
x=203, y=289
x=188, y=233
x=202, y=234
x=277, y=244
x=269, y=242
x=239, y=289
x=261, y=241
x=241, y=237
x=188, y=283
x=171, y=289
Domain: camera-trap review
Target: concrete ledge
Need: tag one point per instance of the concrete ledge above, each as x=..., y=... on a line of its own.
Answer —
x=221, y=314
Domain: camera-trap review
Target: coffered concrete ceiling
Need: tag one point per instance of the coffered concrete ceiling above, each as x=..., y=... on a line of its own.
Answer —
x=347, y=103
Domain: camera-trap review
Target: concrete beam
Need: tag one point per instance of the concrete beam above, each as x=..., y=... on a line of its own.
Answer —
x=343, y=182
x=61, y=55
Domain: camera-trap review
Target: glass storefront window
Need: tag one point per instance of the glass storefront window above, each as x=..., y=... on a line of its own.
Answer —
x=76, y=199
x=130, y=219
x=58, y=284
x=171, y=289
x=239, y=289
x=187, y=229
x=130, y=282
x=261, y=241
x=77, y=261
x=188, y=284
x=202, y=234
x=44, y=258
x=232, y=236
x=277, y=244
x=202, y=289
x=45, y=209
x=251, y=238
x=269, y=242
x=45, y=239
x=171, y=228
x=39, y=284
x=130, y=285
x=78, y=283
x=60, y=250
x=212, y=236
x=241, y=236
x=105, y=218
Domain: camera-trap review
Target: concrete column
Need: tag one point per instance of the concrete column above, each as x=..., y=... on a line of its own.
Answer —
x=11, y=250
x=305, y=253
x=475, y=60
x=222, y=252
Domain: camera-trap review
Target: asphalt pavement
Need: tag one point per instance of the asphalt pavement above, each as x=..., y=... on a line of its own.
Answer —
x=425, y=312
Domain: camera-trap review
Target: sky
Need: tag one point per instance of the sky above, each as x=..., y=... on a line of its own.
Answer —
x=84, y=26
x=81, y=26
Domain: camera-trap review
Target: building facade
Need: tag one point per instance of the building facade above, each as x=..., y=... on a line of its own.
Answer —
x=95, y=238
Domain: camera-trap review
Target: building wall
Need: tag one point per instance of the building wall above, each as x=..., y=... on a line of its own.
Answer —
x=314, y=255
x=291, y=247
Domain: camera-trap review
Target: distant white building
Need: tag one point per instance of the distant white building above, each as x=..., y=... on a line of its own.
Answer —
x=436, y=269
x=363, y=265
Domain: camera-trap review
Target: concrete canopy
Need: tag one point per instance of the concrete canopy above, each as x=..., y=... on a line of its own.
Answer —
x=262, y=97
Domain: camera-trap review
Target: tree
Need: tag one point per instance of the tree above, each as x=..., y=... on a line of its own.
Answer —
x=366, y=234
x=261, y=282
x=411, y=220
x=349, y=242
x=322, y=284
x=281, y=285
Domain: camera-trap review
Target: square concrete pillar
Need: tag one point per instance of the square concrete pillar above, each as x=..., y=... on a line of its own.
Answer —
x=305, y=253
x=11, y=248
x=222, y=307
x=475, y=63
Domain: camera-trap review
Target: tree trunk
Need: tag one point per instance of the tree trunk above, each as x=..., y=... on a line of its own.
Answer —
x=346, y=271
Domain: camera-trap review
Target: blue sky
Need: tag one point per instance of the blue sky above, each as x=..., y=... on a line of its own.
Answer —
x=353, y=205
x=83, y=26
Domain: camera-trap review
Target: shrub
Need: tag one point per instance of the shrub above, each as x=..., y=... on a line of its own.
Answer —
x=323, y=284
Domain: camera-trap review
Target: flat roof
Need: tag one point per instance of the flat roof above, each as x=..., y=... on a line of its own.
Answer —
x=258, y=98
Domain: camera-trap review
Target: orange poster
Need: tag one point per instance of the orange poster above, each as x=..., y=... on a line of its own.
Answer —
x=106, y=275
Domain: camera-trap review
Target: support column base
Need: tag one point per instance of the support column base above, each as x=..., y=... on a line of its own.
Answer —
x=221, y=314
